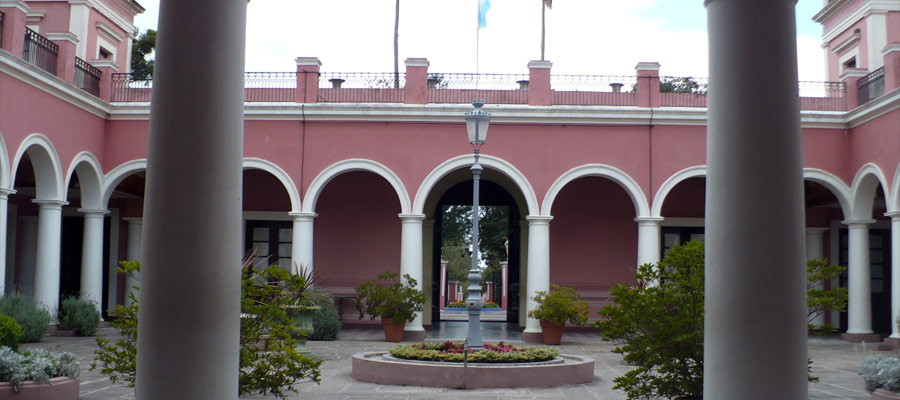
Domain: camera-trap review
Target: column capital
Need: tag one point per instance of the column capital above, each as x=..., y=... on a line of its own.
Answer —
x=89, y=212
x=815, y=230
x=303, y=216
x=134, y=220
x=539, y=219
x=648, y=220
x=50, y=204
x=895, y=215
x=858, y=223
x=4, y=193
x=412, y=217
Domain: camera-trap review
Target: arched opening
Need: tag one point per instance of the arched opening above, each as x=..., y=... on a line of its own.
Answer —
x=823, y=232
x=357, y=234
x=123, y=230
x=593, y=238
x=83, y=194
x=684, y=210
x=22, y=229
x=268, y=228
x=503, y=268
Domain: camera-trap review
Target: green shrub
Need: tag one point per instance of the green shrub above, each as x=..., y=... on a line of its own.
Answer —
x=398, y=300
x=326, y=321
x=490, y=304
x=453, y=352
x=80, y=316
x=10, y=332
x=880, y=372
x=33, y=318
x=457, y=304
x=35, y=365
x=559, y=306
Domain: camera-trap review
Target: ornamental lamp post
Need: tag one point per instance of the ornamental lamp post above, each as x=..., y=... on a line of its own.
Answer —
x=477, y=122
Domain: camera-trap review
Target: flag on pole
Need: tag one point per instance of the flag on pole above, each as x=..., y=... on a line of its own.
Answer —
x=483, y=7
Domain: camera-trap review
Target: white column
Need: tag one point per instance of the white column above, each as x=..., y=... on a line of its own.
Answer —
x=302, y=245
x=134, y=252
x=859, y=303
x=191, y=280
x=538, y=266
x=754, y=205
x=427, y=269
x=648, y=240
x=895, y=270
x=46, y=271
x=411, y=258
x=92, y=256
x=29, y=247
x=4, y=202
x=815, y=250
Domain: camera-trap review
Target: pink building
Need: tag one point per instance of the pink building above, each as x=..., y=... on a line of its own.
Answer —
x=347, y=176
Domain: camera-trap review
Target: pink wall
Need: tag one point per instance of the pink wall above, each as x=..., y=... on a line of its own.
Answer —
x=878, y=142
x=56, y=19
x=843, y=13
x=280, y=142
x=675, y=148
x=893, y=26
x=826, y=149
x=120, y=47
x=593, y=238
x=834, y=68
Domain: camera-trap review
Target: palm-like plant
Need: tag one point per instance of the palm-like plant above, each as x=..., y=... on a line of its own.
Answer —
x=545, y=4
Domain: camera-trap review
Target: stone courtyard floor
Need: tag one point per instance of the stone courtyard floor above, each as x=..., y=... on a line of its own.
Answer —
x=835, y=363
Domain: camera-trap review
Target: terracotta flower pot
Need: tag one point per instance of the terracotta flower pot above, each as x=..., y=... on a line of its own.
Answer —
x=62, y=388
x=392, y=332
x=881, y=394
x=552, y=333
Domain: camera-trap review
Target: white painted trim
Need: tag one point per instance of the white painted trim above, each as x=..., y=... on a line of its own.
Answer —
x=414, y=62
x=487, y=161
x=19, y=4
x=863, y=191
x=540, y=64
x=267, y=216
x=4, y=167
x=90, y=178
x=876, y=38
x=47, y=170
x=847, y=44
x=834, y=184
x=872, y=6
x=890, y=47
x=647, y=66
x=845, y=72
x=830, y=9
x=874, y=109
x=894, y=204
x=278, y=173
x=106, y=11
x=109, y=32
x=641, y=207
x=308, y=61
x=35, y=16
x=79, y=14
x=101, y=42
x=63, y=36
x=355, y=164
x=660, y=197
x=114, y=177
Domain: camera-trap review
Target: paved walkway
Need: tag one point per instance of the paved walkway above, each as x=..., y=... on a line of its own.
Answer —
x=835, y=363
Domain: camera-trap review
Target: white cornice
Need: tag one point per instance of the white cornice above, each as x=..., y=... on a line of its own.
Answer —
x=15, y=4
x=62, y=36
x=826, y=13
x=104, y=10
x=38, y=78
x=132, y=6
x=113, y=35
x=874, y=109
x=844, y=46
x=867, y=8
x=35, y=16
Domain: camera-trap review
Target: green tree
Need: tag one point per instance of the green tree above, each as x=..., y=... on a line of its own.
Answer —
x=685, y=84
x=820, y=300
x=456, y=234
x=141, y=48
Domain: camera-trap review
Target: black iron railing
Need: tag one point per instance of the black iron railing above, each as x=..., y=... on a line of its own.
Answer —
x=269, y=86
x=130, y=88
x=40, y=51
x=594, y=90
x=2, y=17
x=361, y=87
x=87, y=77
x=822, y=96
x=462, y=88
x=870, y=86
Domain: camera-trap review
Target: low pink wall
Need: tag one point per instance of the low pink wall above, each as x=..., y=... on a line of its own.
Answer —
x=878, y=142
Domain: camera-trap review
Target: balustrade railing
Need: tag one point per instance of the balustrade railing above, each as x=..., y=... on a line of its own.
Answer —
x=130, y=88
x=361, y=87
x=269, y=86
x=40, y=51
x=594, y=90
x=822, y=96
x=87, y=77
x=462, y=88
x=871, y=86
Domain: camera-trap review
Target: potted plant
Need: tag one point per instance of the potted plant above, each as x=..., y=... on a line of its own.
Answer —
x=38, y=374
x=396, y=303
x=881, y=375
x=556, y=308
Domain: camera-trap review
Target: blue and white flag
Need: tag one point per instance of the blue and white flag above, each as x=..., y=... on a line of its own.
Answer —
x=483, y=7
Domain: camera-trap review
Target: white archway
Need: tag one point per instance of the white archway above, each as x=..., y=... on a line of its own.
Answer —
x=667, y=186
x=118, y=174
x=863, y=189
x=47, y=170
x=350, y=165
x=835, y=185
x=278, y=173
x=4, y=165
x=894, y=204
x=465, y=161
x=641, y=208
x=90, y=178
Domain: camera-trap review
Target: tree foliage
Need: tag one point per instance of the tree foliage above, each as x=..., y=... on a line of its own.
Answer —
x=456, y=234
x=386, y=298
x=686, y=84
x=142, y=47
x=821, y=300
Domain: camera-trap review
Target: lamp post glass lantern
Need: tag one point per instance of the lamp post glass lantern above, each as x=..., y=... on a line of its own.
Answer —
x=477, y=122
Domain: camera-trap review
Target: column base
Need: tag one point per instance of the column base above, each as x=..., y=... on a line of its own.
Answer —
x=893, y=342
x=414, y=336
x=532, y=337
x=861, y=337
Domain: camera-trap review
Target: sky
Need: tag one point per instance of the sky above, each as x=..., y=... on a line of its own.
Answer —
x=589, y=37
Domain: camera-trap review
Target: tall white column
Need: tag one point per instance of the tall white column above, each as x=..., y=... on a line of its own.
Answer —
x=191, y=280
x=46, y=271
x=648, y=240
x=895, y=270
x=302, y=245
x=133, y=252
x=538, y=269
x=29, y=247
x=859, y=303
x=92, y=256
x=411, y=263
x=815, y=250
x=427, y=271
x=4, y=203
x=754, y=205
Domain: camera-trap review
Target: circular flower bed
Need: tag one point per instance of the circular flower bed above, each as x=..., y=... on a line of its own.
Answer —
x=450, y=351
